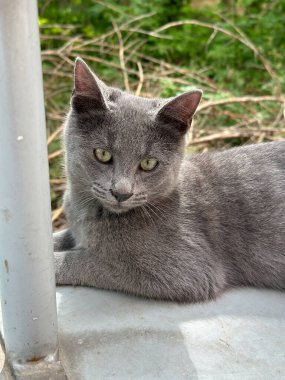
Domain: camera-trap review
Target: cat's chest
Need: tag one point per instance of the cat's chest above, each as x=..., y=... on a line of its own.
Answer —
x=136, y=236
x=118, y=232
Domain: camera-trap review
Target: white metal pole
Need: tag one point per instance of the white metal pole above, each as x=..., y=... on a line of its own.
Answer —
x=26, y=267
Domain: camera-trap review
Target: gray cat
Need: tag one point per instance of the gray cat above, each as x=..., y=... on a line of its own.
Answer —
x=148, y=220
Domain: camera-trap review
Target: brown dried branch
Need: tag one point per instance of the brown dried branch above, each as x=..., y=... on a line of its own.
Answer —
x=141, y=79
x=54, y=135
x=57, y=181
x=56, y=213
x=55, y=154
x=224, y=135
x=242, y=99
x=122, y=57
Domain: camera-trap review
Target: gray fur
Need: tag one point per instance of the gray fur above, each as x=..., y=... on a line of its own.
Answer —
x=194, y=226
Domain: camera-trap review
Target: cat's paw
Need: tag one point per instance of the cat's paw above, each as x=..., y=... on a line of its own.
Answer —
x=63, y=274
x=58, y=257
x=66, y=267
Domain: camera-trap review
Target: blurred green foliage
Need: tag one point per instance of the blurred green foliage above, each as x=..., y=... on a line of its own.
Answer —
x=224, y=59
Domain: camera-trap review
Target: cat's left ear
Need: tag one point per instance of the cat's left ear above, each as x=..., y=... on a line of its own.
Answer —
x=88, y=92
x=179, y=111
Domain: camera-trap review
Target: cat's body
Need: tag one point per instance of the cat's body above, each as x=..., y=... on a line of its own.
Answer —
x=215, y=222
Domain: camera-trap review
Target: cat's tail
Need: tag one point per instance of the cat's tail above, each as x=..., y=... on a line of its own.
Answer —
x=63, y=240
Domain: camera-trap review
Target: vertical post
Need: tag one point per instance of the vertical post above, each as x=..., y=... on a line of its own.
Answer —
x=26, y=260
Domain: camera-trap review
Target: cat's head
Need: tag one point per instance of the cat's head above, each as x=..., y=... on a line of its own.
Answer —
x=122, y=149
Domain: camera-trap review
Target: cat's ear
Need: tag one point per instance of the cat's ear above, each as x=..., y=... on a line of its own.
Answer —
x=179, y=111
x=88, y=92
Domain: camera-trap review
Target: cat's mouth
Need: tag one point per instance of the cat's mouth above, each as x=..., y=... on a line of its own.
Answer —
x=120, y=207
x=117, y=206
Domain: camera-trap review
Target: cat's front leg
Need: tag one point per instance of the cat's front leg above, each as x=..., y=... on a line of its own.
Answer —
x=79, y=266
x=69, y=269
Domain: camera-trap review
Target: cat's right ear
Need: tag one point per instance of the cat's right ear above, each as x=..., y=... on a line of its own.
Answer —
x=177, y=113
x=88, y=92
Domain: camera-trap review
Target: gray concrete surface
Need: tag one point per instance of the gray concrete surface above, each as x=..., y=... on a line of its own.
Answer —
x=106, y=335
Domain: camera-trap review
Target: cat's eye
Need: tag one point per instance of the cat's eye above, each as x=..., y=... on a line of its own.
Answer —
x=148, y=164
x=102, y=155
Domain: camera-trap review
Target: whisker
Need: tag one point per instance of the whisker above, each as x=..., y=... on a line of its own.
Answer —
x=84, y=202
x=145, y=209
x=153, y=211
x=98, y=190
x=162, y=212
x=142, y=213
x=140, y=198
x=98, y=196
x=100, y=186
x=136, y=204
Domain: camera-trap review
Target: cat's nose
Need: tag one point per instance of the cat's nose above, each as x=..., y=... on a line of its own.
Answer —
x=121, y=197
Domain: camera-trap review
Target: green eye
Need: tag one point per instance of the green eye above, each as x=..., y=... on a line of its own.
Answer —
x=102, y=155
x=148, y=164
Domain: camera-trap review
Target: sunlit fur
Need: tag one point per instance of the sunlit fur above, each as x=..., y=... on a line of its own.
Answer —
x=193, y=227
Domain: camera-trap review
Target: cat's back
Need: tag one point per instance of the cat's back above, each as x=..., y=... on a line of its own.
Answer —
x=248, y=179
x=269, y=154
x=250, y=166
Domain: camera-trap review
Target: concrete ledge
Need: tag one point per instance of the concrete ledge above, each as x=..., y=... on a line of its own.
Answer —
x=107, y=335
